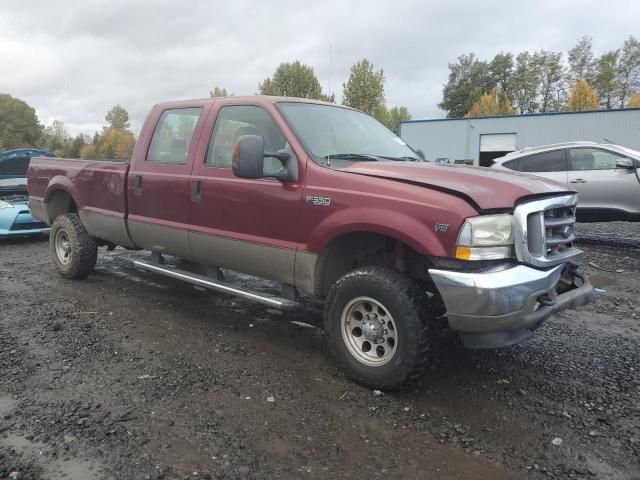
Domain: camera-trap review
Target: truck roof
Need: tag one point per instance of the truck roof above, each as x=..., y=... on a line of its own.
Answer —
x=254, y=99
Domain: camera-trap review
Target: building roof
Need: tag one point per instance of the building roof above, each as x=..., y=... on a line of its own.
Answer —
x=524, y=115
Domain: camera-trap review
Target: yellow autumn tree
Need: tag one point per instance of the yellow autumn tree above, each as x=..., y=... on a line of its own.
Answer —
x=495, y=102
x=583, y=97
x=112, y=144
x=634, y=101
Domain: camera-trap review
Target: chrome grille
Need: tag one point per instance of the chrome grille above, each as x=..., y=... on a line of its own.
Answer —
x=544, y=231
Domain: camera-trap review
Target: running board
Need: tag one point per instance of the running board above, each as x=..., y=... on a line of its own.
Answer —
x=218, y=285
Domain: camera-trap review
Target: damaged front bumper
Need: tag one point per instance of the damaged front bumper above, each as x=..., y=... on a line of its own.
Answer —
x=497, y=308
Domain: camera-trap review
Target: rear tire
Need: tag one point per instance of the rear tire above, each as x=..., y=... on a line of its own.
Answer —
x=377, y=325
x=73, y=251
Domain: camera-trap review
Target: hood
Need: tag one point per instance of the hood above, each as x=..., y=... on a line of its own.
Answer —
x=488, y=189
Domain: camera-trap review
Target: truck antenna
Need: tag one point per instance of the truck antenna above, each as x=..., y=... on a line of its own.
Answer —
x=329, y=94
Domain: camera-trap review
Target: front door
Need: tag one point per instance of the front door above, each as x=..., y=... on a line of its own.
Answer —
x=251, y=226
x=603, y=189
x=159, y=188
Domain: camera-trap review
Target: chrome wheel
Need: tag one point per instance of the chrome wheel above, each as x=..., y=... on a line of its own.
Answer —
x=368, y=331
x=62, y=245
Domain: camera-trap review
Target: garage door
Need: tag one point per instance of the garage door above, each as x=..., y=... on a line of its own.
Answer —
x=498, y=142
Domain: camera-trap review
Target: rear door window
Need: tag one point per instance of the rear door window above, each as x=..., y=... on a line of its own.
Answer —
x=172, y=136
x=552, y=161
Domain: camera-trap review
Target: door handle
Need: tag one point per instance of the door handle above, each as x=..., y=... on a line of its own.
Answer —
x=578, y=180
x=196, y=190
x=137, y=185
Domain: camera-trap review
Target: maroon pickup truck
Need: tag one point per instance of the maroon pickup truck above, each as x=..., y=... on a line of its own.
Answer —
x=326, y=201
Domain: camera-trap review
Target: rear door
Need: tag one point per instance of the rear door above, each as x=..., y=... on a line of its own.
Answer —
x=159, y=189
x=551, y=164
x=247, y=225
x=600, y=185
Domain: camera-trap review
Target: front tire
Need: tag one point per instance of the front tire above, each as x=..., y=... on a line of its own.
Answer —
x=377, y=325
x=73, y=251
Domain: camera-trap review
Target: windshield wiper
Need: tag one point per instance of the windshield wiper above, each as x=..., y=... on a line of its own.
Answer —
x=352, y=156
x=400, y=159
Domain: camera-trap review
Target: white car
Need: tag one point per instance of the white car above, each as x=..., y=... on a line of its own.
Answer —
x=606, y=176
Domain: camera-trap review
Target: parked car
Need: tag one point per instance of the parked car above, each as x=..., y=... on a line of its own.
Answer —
x=15, y=219
x=325, y=200
x=606, y=176
x=14, y=163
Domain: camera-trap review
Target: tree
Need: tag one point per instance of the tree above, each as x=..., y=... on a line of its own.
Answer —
x=116, y=144
x=88, y=151
x=74, y=147
x=629, y=69
x=525, y=83
x=54, y=138
x=634, y=101
x=19, y=125
x=493, y=103
x=219, y=92
x=364, y=90
x=550, y=73
x=468, y=78
x=583, y=97
x=501, y=71
x=294, y=80
x=117, y=118
x=605, y=80
x=581, y=64
x=395, y=116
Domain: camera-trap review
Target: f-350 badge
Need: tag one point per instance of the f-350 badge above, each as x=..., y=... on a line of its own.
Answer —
x=441, y=227
x=318, y=201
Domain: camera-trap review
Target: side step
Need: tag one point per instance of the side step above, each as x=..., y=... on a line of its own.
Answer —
x=218, y=285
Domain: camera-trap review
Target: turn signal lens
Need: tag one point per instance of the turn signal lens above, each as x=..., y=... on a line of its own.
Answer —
x=463, y=253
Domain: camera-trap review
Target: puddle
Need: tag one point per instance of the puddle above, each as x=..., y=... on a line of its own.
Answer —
x=72, y=469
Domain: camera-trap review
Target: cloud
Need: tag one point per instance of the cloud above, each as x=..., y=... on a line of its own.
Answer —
x=75, y=60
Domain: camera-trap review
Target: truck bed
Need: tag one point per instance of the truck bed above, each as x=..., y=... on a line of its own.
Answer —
x=97, y=188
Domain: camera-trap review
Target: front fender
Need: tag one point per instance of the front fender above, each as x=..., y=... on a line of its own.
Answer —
x=416, y=234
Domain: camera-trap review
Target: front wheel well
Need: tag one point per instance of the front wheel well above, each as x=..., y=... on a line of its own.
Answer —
x=58, y=203
x=358, y=249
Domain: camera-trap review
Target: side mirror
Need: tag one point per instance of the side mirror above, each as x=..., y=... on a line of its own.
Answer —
x=248, y=160
x=248, y=157
x=626, y=163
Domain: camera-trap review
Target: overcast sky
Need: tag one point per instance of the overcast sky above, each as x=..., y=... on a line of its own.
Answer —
x=75, y=60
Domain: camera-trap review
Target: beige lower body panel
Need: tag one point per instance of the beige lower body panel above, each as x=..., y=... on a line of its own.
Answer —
x=251, y=258
x=273, y=263
x=38, y=210
x=305, y=272
x=159, y=238
x=106, y=227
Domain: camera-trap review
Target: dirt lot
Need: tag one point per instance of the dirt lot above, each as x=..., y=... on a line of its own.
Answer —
x=129, y=375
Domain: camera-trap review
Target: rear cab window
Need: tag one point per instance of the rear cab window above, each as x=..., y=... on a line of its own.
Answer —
x=172, y=136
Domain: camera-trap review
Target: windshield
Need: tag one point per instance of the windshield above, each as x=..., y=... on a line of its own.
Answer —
x=628, y=151
x=327, y=131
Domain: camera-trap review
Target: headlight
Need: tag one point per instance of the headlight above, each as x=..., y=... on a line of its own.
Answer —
x=4, y=204
x=487, y=237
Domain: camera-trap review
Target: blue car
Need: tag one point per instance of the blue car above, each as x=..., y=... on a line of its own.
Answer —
x=15, y=219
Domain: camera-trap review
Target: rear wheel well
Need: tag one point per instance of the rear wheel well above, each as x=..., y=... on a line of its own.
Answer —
x=358, y=249
x=59, y=203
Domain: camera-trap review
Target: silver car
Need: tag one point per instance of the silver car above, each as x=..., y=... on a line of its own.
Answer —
x=606, y=176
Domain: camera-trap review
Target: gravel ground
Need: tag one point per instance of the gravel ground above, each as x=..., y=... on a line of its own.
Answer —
x=623, y=234
x=130, y=375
